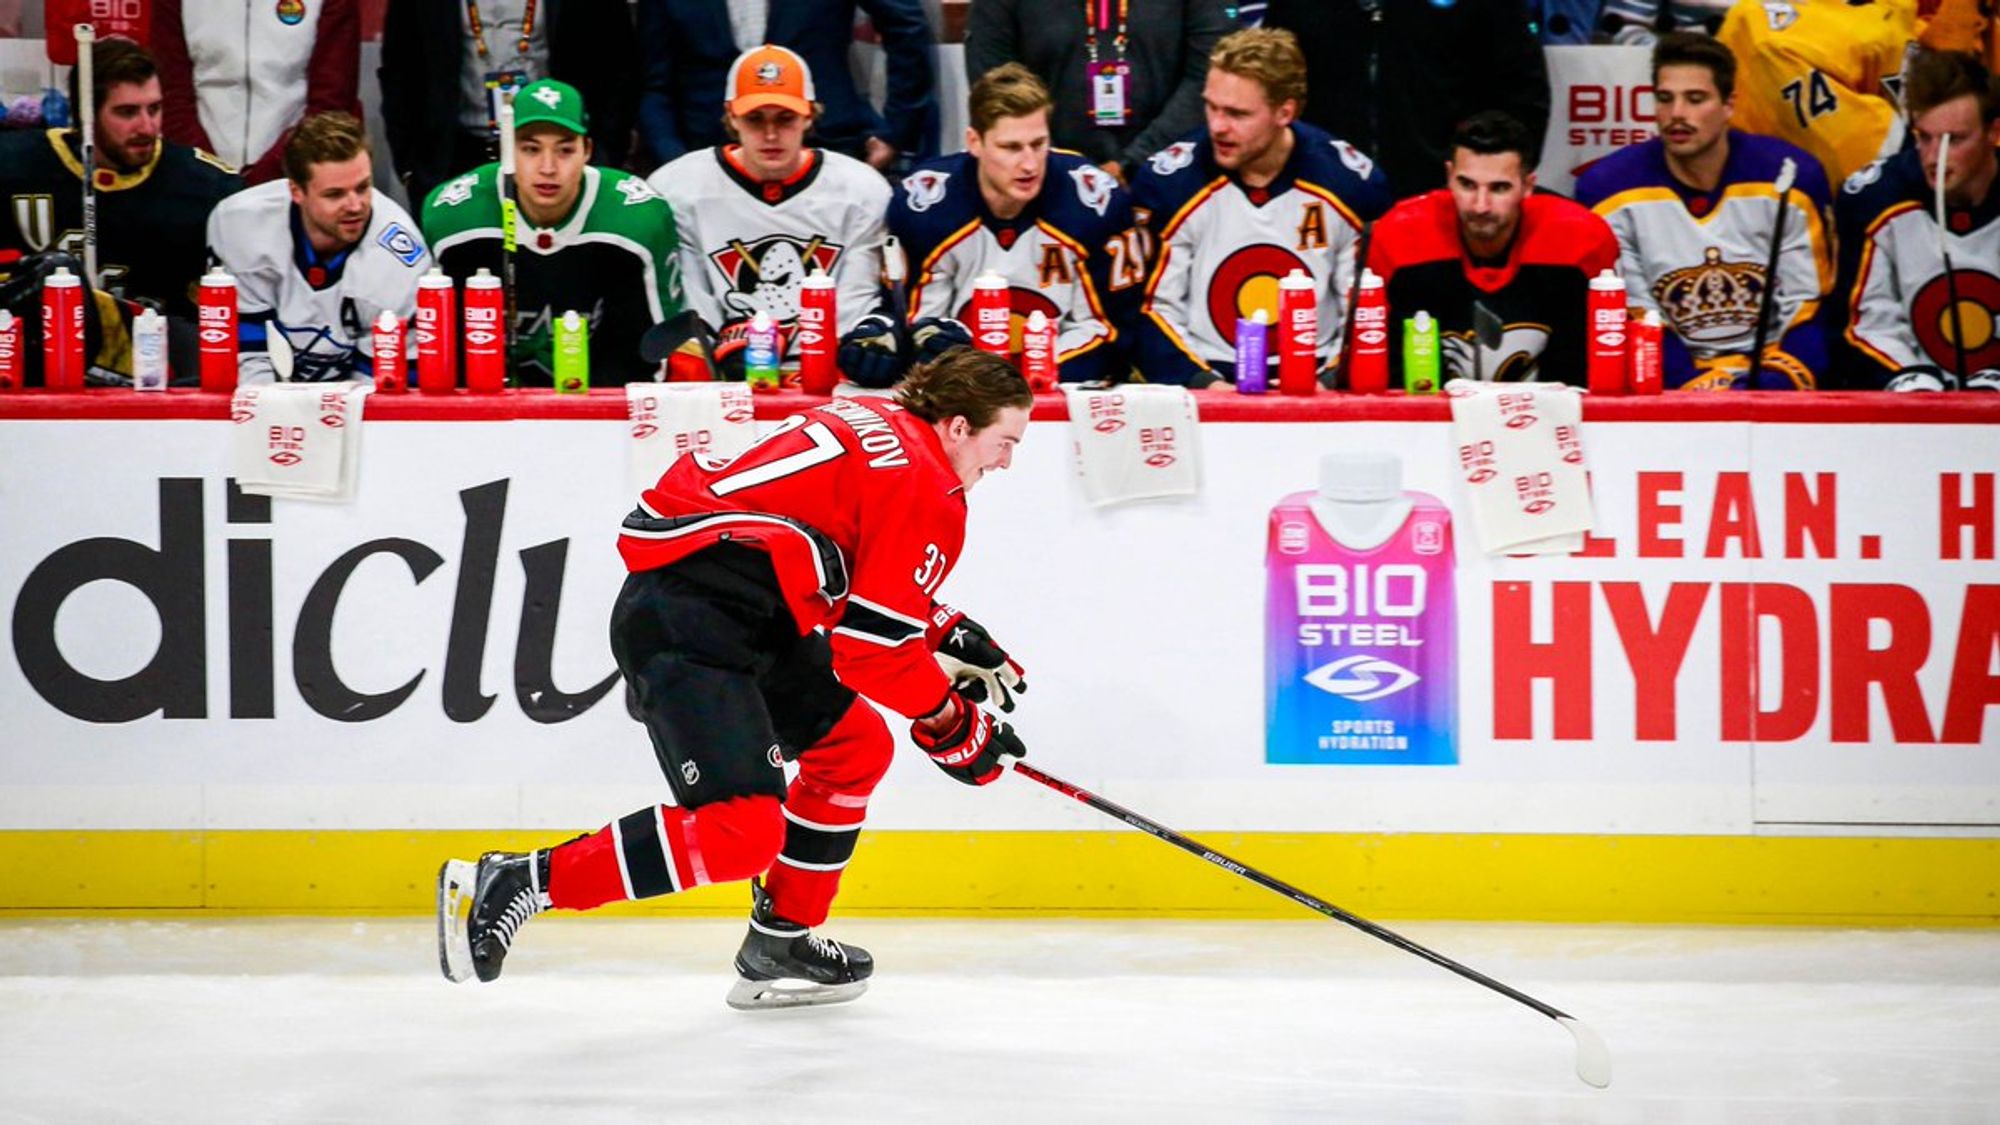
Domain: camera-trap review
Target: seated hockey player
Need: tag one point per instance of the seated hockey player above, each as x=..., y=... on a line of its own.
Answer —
x=592, y=240
x=1236, y=206
x=1694, y=211
x=318, y=256
x=757, y=216
x=153, y=196
x=1503, y=271
x=1914, y=323
x=1056, y=228
x=770, y=599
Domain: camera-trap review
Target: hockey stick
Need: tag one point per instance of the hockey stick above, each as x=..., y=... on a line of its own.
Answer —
x=1593, y=1058
x=509, y=225
x=662, y=340
x=896, y=273
x=1353, y=295
x=86, y=142
x=1950, y=275
x=1787, y=172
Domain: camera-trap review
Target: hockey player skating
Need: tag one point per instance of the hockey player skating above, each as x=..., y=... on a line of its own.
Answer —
x=594, y=240
x=1695, y=210
x=317, y=256
x=1924, y=299
x=757, y=216
x=1241, y=203
x=1057, y=228
x=767, y=597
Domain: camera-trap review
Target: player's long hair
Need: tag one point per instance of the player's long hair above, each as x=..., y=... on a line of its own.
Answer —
x=964, y=383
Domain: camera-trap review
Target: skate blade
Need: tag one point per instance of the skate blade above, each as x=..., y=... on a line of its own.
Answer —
x=454, y=910
x=765, y=995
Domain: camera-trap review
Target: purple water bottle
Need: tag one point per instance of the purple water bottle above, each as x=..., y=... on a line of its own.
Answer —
x=1253, y=347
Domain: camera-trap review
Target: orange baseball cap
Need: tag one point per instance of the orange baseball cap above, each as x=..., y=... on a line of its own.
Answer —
x=769, y=75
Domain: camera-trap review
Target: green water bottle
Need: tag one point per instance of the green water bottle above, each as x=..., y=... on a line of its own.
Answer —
x=572, y=347
x=1420, y=355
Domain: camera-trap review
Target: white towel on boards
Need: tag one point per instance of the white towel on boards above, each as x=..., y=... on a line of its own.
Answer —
x=669, y=419
x=1519, y=450
x=1134, y=442
x=298, y=440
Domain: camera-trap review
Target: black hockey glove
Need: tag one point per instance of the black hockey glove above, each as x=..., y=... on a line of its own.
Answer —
x=734, y=340
x=966, y=742
x=1923, y=377
x=868, y=353
x=978, y=667
x=936, y=335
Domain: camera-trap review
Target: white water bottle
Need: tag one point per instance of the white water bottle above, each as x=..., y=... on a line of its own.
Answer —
x=149, y=351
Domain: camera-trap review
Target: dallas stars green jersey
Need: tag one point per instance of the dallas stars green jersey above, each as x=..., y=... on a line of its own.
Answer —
x=611, y=259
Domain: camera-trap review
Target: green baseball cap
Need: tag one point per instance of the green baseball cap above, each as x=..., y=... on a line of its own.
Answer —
x=547, y=101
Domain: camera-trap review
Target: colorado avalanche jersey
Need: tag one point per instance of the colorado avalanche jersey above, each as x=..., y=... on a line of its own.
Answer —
x=747, y=245
x=1898, y=296
x=1697, y=258
x=1223, y=246
x=1073, y=254
x=856, y=504
x=324, y=307
x=1534, y=299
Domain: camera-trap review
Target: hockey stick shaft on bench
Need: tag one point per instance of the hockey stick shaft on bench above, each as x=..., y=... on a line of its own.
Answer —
x=1593, y=1062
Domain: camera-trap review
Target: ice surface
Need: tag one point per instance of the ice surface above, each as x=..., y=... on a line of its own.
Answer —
x=616, y=1020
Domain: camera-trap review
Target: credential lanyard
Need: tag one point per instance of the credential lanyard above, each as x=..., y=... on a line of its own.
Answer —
x=1096, y=18
x=528, y=27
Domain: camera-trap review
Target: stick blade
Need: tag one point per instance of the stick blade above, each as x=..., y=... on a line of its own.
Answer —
x=662, y=340
x=1593, y=1057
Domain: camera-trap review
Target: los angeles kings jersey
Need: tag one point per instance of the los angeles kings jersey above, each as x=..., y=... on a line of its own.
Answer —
x=1536, y=297
x=325, y=308
x=1223, y=246
x=1698, y=258
x=745, y=246
x=612, y=260
x=151, y=223
x=1898, y=295
x=863, y=518
x=1073, y=254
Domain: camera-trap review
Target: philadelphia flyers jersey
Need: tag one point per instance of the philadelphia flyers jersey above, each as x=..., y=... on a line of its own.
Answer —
x=1223, y=246
x=747, y=245
x=862, y=516
x=1893, y=277
x=1537, y=295
x=1073, y=254
x=1697, y=258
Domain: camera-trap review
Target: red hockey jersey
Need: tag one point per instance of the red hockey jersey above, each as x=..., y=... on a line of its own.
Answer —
x=862, y=516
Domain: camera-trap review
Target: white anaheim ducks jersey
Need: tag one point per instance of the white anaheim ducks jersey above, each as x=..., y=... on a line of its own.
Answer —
x=324, y=306
x=1223, y=246
x=1073, y=254
x=745, y=245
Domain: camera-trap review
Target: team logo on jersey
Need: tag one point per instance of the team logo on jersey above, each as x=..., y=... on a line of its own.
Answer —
x=1714, y=302
x=1246, y=281
x=636, y=191
x=923, y=189
x=1172, y=158
x=1780, y=14
x=35, y=218
x=1356, y=160
x=1516, y=359
x=1859, y=181
x=457, y=191
x=765, y=275
x=291, y=12
x=1093, y=187
x=401, y=243
x=1978, y=299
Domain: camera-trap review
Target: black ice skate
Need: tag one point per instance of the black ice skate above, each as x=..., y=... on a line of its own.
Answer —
x=786, y=965
x=481, y=907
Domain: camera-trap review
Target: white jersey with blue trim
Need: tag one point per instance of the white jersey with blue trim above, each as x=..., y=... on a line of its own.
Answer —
x=325, y=306
x=1073, y=254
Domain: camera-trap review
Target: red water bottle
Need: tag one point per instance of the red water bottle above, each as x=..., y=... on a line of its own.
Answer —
x=817, y=337
x=10, y=351
x=215, y=315
x=391, y=362
x=436, y=327
x=1038, y=352
x=992, y=315
x=485, y=340
x=1368, y=366
x=1605, y=370
x=1647, y=353
x=1298, y=334
x=62, y=331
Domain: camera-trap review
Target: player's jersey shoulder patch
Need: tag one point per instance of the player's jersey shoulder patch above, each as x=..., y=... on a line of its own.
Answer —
x=1356, y=160
x=401, y=243
x=1172, y=158
x=207, y=157
x=1093, y=187
x=1859, y=181
x=636, y=191
x=923, y=190
x=457, y=191
x=1780, y=14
